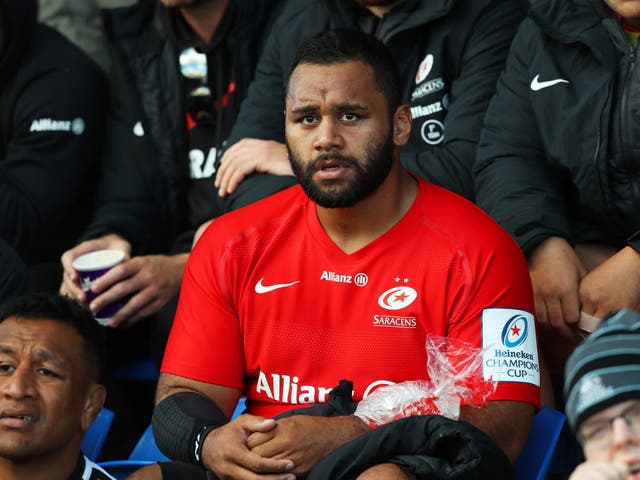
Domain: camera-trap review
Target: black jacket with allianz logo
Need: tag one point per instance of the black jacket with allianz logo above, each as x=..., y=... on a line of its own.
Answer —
x=52, y=106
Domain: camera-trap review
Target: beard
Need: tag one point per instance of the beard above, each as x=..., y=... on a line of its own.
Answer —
x=368, y=174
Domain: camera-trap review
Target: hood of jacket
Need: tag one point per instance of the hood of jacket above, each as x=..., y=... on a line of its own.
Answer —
x=21, y=16
x=408, y=14
x=586, y=21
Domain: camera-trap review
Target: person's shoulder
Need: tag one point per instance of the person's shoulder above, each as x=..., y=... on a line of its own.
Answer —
x=50, y=50
x=460, y=218
x=300, y=11
x=564, y=15
x=128, y=21
x=275, y=206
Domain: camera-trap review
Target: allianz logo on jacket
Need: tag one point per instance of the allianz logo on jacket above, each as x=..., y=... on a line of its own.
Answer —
x=75, y=126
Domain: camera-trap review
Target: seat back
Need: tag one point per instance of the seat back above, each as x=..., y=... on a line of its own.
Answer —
x=241, y=406
x=146, y=452
x=146, y=448
x=534, y=460
x=95, y=436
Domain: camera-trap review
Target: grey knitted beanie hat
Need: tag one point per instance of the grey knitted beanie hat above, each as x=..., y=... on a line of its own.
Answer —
x=604, y=369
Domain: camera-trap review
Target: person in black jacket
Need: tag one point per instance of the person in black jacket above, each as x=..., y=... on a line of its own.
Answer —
x=558, y=164
x=180, y=71
x=52, y=109
x=450, y=53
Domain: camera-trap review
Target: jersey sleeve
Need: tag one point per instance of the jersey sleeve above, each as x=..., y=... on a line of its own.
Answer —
x=205, y=343
x=496, y=313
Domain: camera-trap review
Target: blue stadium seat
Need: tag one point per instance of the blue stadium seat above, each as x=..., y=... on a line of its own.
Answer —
x=146, y=452
x=534, y=460
x=95, y=436
x=146, y=448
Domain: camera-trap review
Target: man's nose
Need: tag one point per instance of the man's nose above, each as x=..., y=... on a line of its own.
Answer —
x=623, y=434
x=20, y=384
x=327, y=135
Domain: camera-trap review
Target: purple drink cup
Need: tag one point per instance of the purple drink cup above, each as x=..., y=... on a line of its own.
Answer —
x=90, y=267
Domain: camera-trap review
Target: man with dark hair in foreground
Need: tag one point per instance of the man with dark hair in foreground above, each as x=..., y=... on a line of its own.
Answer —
x=51, y=366
x=341, y=277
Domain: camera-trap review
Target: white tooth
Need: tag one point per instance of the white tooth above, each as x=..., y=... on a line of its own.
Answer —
x=28, y=419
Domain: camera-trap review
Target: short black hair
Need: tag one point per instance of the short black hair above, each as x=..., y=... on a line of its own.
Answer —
x=64, y=310
x=332, y=47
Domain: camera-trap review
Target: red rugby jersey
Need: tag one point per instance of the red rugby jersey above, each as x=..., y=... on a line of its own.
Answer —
x=271, y=305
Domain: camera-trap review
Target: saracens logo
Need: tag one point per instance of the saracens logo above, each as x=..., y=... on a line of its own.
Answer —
x=424, y=69
x=397, y=298
x=515, y=331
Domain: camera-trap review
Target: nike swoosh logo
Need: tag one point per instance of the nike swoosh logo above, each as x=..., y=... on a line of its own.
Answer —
x=260, y=288
x=536, y=84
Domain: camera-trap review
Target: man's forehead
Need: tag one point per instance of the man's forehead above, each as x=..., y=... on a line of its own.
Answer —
x=48, y=339
x=311, y=82
x=612, y=411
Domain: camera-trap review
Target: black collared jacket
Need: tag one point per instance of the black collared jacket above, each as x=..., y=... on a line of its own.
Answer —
x=52, y=107
x=449, y=52
x=560, y=149
x=145, y=172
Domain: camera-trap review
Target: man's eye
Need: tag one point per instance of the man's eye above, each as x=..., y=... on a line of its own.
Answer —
x=45, y=372
x=596, y=432
x=349, y=117
x=307, y=120
x=5, y=367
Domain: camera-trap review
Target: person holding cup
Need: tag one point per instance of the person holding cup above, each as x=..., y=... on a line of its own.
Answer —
x=148, y=281
x=160, y=155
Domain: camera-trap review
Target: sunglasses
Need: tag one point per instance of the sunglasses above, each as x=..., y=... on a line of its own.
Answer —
x=199, y=101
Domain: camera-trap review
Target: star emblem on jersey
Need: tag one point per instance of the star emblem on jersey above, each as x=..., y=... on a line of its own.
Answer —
x=397, y=298
x=261, y=288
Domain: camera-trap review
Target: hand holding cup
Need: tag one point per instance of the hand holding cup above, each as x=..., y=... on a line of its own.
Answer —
x=92, y=266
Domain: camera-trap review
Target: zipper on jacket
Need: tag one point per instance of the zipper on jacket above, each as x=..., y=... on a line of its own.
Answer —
x=596, y=154
x=627, y=142
x=624, y=124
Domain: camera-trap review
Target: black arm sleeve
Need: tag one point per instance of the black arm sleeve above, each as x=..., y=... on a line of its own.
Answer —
x=180, y=423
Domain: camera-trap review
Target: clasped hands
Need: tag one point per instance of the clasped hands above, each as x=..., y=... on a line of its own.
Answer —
x=251, y=447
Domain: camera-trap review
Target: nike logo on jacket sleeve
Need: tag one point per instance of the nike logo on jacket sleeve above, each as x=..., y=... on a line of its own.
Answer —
x=536, y=84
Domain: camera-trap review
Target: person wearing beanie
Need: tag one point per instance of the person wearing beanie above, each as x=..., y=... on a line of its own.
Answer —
x=602, y=391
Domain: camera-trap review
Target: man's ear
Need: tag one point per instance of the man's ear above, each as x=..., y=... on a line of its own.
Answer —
x=401, y=125
x=93, y=404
